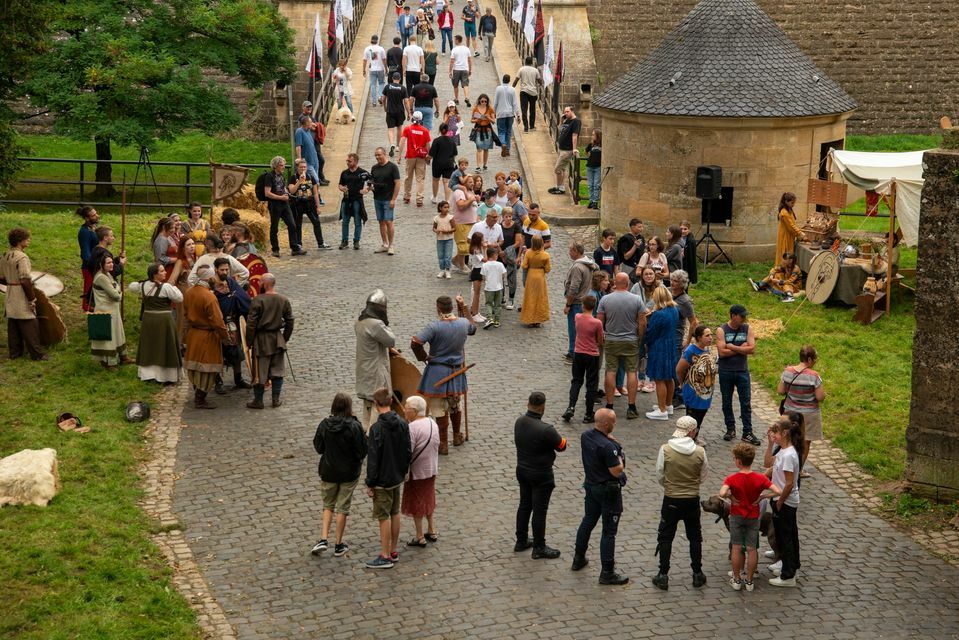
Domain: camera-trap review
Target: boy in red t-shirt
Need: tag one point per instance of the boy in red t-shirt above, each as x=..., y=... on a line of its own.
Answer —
x=745, y=488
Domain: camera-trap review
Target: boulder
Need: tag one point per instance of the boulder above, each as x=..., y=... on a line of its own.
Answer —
x=29, y=477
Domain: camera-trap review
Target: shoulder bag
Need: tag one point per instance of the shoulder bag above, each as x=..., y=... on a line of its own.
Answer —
x=782, y=403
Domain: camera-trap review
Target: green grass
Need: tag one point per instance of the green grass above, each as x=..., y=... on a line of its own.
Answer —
x=893, y=142
x=187, y=148
x=866, y=369
x=84, y=566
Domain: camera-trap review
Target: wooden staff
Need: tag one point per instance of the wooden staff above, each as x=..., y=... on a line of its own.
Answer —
x=456, y=373
x=123, y=239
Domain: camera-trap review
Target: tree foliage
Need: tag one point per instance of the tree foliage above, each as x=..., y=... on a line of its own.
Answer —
x=134, y=71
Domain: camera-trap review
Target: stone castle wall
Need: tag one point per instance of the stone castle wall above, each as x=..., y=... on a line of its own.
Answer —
x=897, y=59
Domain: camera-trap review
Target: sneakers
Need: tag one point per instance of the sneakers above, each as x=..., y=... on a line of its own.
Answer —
x=656, y=414
x=479, y=317
x=612, y=578
x=769, y=553
x=568, y=357
x=729, y=435
x=751, y=439
x=509, y=305
x=379, y=562
x=356, y=245
x=699, y=579
x=496, y=324
x=632, y=413
x=381, y=249
x=735, y=584
x=341, y=549
x=325, y=247
x=545, y=553
x=749, y=585
x=753, y=284
x=319, y=547
x=468, y=103
x=648, y=387
x=579, y=562
x=299, y=252
x=487, y=324
x=557, y=190
x=669, y=410
x=394, y=557
x=447, y=274
x=661, y=581
x=617, y=394
x=391, y=251
x=441, y=274
x=779, y=582
x=435, y=200
x=344, y=245
x=589, y=418
x=776, y=567
x=568, y=414
x=788, y=298
x=522, y=545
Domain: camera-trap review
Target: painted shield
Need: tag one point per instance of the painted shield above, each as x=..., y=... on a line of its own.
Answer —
x=822, y=278
x=257, y=268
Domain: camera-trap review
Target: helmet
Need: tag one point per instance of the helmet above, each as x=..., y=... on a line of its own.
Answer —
x=377, y=297
x=137, y=412
x=851, y=251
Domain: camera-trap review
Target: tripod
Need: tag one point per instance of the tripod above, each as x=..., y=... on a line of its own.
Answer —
x=708, y=237
x=148, y=175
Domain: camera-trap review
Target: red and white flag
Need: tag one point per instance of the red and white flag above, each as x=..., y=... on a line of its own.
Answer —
x=314, y=64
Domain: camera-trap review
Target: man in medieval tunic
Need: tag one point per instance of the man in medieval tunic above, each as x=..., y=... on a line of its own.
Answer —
x=206, y=333
x=447, y=339
x=20, y=306
x=268, y=328
x=375, y=341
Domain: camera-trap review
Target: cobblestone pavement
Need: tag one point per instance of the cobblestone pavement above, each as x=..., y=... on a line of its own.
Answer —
x=247, y=493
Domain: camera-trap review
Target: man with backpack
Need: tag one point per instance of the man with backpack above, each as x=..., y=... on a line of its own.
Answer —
x=271, y=188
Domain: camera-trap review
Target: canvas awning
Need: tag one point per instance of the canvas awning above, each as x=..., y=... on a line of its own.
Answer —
x=878, y=172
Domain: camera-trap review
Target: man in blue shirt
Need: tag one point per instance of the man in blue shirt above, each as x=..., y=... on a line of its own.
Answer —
x=604, y=463
x=306, y=147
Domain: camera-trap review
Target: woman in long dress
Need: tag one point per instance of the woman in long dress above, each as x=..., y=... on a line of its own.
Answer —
x=196, y=227
x=788, y=231
x=158, y=354
x=106, y=297
x=535, y=296
x=660, y=339
x=185, y=257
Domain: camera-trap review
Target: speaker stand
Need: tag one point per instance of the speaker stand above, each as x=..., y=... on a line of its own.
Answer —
x=709, y=238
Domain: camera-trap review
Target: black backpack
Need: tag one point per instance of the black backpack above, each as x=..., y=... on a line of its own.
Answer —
x=260, y=187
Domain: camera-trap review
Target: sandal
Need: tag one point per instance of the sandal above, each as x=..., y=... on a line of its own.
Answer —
x=431, y=537
x=416, y=543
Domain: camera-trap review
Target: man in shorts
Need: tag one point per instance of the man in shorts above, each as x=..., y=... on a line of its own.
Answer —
x=461, y=68
x=447, y=339
x=623, y=315
x=386, y=188
x=469, y=16
x=387, y=463
x=394, y=100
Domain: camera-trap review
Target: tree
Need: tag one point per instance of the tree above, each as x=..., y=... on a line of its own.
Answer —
x=133, y=71
x=22, y=39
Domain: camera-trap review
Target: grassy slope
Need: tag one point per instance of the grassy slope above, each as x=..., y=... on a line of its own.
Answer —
x=82, y=567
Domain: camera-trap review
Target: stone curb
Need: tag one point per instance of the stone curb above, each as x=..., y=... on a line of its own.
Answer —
x=158, y=472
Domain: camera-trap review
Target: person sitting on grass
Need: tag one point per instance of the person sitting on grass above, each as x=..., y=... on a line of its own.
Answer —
x=784, y=280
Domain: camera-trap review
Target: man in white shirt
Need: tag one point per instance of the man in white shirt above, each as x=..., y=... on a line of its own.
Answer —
x=413, y=63
x=528, y=78
x=490, y=228
x=374, y=63
x=461, y=68
x=507, y=108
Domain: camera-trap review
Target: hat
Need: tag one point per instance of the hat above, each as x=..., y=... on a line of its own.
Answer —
x=738, y=310
x=685, y=426
x=396, y=75
x=450, y=104
x=417, y=116
x=306, y=103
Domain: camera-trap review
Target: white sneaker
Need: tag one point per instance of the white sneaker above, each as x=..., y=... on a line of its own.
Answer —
x=656, y=414
x=617, y=394
x=381, y=249
x=779, y=582
x=669, y=409
x=390, y=251
x=434, y=200
x=735, y=584
x=769, y=553
x=509, y=305
x=441, y=274
x=479, y=317
x=448, y=274
x=776, y=567
x=749, y=585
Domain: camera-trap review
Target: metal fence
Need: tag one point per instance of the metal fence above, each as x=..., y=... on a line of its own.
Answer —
x=143, y=182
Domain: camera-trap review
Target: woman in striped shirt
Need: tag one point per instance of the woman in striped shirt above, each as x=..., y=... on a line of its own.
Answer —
x=803, y=388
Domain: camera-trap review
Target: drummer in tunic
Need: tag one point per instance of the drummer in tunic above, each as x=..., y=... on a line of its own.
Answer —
x=207, y=331
x=23, y=330
x=447, y=339
x=269, y=327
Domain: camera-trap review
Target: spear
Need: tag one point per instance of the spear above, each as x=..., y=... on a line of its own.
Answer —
x=123, y=238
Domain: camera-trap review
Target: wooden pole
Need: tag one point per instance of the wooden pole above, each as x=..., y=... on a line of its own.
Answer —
x=889, y=241
x=123, y=240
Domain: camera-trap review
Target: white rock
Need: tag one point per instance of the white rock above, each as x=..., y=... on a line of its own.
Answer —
x=29, y=477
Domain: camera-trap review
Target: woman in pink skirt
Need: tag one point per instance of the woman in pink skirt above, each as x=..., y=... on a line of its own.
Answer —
x=419, y=490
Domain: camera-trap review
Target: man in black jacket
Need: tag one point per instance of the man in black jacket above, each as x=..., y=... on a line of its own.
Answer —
x=387, y=463
x=341, y=443
x=536, y=445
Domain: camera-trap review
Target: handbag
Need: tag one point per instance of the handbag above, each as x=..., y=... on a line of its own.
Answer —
x=782, y=403
x=409, y=474
x=100, y=326
x=473, y=135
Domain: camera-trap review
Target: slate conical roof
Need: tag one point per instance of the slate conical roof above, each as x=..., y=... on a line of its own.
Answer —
x=727, y=58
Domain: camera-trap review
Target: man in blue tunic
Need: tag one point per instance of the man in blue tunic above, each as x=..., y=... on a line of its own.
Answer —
x=447, y=339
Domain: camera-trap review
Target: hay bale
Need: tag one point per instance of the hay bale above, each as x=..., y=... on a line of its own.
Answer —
x=29, y=477
x=259, y=226
x=245, y=198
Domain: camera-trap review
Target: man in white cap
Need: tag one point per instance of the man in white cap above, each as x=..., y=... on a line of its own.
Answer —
x=681, y=468
x=415, y=140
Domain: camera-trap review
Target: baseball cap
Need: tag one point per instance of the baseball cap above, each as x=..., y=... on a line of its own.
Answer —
x=417, y=116
x=307, y=103
x=685, y=426
x=738, y=310
x=450, y=104
x=396, y=75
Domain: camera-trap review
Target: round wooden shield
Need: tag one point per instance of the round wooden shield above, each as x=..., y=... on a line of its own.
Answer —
x=822, y=277
x=45, y=282
x=50, y=322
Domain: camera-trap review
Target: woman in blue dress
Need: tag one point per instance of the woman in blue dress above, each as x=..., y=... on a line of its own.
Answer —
x=660, y=340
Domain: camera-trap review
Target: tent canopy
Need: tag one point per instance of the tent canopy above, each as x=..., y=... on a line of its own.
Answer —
x=878, y=172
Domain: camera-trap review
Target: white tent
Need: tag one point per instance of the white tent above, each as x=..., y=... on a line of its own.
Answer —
x=879, y=172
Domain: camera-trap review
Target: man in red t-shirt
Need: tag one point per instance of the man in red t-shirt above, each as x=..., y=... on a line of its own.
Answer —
x=589, y=340
x=416, y=140
x=746, y=488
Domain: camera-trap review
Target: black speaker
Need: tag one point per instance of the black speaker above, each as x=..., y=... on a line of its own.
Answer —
x=718, y=211
x=709, y=182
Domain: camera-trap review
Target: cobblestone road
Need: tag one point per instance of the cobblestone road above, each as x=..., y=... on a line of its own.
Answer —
x=248, y=496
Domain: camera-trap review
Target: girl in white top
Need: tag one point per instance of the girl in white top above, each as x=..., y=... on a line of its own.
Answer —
x=443, y=227
x=655, y=258
x=343, y=77
x=785, y=473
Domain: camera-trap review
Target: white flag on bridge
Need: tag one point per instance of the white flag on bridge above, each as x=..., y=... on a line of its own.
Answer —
x=529, y=29
x=518, y=12
x=347, y=8
x=338, y=20
x=548, y=59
